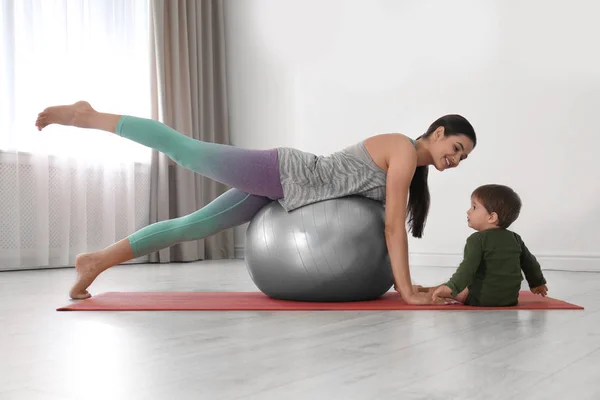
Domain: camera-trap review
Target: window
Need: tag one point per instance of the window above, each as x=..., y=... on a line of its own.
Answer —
x=60, y=51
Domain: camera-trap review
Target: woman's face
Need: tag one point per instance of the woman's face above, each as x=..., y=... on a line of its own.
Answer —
x=448, y=151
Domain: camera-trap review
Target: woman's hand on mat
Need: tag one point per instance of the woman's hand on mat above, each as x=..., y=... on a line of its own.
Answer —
x=414, y=288
x=420, y=296
x=424, y=299
x=420, y=299
x=541, y=290
x=429, y=289
x=442, y=292
x=417, y=289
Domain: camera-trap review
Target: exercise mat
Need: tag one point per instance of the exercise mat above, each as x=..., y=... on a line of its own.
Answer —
x=257, y=301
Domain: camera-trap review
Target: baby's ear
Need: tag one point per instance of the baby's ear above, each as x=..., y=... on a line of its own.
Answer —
x=493, y=218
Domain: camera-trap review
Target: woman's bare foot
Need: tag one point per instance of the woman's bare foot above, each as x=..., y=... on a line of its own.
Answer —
x=76, y=114
x=88, y=268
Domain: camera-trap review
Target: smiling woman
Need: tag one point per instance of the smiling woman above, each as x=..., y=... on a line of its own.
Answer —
x=381, y=167
x=447, y=141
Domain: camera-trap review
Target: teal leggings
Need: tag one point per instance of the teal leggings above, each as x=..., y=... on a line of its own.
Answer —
x=252, y=174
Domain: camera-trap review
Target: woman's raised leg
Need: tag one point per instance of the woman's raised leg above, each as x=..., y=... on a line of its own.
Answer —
x=232, y=208
x=251, y=171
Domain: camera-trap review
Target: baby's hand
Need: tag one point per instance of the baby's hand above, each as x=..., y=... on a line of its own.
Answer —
x=442, y=291
x=541, y=290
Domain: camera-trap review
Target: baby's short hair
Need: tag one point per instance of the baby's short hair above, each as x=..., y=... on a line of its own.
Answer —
x=501, y=200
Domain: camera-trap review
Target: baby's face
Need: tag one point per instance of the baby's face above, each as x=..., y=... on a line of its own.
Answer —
x=478, y=217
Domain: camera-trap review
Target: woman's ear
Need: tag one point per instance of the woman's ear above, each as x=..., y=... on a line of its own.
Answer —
x=439, y=133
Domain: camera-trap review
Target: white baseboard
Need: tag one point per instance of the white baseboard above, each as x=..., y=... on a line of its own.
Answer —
x=238, y=252
x=579, y=262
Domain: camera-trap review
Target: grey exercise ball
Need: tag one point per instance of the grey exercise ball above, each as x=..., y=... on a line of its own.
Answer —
x=332, y=250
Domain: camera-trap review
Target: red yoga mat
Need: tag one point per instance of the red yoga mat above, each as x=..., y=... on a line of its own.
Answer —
x=257, y=301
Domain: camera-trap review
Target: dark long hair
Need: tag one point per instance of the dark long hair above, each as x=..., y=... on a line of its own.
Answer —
x=419, y=199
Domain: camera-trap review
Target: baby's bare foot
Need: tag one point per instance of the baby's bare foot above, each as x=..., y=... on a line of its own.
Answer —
x=76, y=114
x=88, y=268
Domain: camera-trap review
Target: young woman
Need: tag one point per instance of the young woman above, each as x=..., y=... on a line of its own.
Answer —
x=390, y=168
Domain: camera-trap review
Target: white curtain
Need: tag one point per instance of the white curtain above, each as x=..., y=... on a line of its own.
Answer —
x=64, y=190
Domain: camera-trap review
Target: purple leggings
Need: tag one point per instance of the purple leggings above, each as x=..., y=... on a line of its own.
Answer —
x=252, y=174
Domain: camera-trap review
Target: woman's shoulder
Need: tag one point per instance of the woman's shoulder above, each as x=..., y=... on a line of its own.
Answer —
x=386, y=146
x=391, y=140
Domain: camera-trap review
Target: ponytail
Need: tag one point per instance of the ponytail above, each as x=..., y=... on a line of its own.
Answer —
x=418, y=201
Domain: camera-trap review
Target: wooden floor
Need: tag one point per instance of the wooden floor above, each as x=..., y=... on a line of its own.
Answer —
x=45, y=354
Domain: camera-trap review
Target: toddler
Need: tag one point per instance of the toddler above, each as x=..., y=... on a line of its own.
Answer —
x=490, y=273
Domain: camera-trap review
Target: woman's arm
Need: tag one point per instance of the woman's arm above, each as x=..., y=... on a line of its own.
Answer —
x=401, y=167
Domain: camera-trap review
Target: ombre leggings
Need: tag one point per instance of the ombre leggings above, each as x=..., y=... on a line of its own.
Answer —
x=253, y=175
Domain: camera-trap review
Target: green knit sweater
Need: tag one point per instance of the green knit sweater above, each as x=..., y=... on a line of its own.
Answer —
x=491, y=269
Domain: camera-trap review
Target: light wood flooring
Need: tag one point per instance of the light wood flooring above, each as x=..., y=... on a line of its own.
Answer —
x=50, y=355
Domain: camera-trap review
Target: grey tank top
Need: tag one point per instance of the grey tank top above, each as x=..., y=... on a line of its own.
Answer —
x=307, y=178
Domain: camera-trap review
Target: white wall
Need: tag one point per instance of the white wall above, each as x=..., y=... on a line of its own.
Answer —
x=323, y=74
